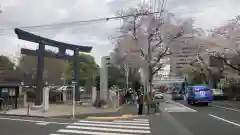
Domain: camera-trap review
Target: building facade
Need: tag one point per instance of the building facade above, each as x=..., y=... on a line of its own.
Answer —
x=183, y=53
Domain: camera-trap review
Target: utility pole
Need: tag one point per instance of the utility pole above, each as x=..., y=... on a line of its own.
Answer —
x=126, y=74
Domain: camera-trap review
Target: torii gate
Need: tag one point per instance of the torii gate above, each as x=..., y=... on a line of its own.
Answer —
x=41, y=53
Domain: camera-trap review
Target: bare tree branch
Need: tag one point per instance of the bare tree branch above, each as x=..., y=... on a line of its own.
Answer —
x=160, y=56
x=171, y=39
x=157, y=45
x=226, y=62
x=142, y=53
x=202, y=62
x=156, y=70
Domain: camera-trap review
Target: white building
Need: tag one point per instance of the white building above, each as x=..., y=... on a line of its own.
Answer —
x=164, y=72
x=183, y=53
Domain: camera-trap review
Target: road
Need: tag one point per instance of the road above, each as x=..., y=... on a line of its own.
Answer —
x=30, y=126
x=177, y=118
x=36, y=126
x=219, y=118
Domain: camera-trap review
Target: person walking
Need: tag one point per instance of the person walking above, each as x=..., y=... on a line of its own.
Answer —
x=140, y=103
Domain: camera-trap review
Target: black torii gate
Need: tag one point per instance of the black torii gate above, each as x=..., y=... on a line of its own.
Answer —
x=41, y=53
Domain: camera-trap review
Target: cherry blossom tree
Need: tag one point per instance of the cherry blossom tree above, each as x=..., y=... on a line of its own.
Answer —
x=226, y=40
x=147, y=38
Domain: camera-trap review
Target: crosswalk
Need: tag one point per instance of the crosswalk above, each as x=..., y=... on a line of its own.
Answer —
x=116, y=127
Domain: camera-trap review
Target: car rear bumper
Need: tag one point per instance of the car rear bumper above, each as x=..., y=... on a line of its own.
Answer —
x=201, y=100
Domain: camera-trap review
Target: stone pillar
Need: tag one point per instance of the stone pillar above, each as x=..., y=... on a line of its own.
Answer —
x=25, y=99
x=45, y=99
x=64, y=96
x=94, y=94
x=103, y=84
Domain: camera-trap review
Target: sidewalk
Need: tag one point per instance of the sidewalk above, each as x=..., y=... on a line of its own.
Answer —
x=81, y=112
x=60, y=111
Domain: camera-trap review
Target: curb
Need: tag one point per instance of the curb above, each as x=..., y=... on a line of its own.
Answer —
x=30, y=116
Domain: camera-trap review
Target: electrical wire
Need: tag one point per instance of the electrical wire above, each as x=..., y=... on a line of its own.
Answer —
x=76, y=23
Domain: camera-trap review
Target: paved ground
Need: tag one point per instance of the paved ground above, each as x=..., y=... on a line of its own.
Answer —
x=36, y=126
x=209, y=120
x=231, y=104
x=18, y=127
x=178, y=119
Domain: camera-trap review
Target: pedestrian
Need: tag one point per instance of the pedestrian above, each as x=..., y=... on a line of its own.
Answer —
x=133, y=98
x=140, y=103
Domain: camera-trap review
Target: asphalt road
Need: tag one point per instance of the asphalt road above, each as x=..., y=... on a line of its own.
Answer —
x=215, y=119
x=36, y=126
x=209, y=120
x=21, y=126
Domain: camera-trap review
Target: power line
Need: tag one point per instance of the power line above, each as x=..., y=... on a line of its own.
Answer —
x=79, y=22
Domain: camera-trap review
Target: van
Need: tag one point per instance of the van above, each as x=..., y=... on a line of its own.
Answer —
x=199, y=94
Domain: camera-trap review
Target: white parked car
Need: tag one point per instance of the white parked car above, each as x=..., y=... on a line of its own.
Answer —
x=158, y=95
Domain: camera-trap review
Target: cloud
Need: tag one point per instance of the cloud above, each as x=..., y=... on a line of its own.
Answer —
x=17, y=13
x=207, y=13
x=34, y=12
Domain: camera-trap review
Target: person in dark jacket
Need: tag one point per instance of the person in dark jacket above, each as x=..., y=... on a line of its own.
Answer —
x=140, y=102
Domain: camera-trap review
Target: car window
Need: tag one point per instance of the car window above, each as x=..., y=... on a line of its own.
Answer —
x=204, y=89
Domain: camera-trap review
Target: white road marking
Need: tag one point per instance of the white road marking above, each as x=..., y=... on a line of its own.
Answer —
x=130, y=121
x=119, y=123
x=124, y=127
x=110, y=129
x=42, y=123
x=56, y=134
x=89, y=132
x=232, y=109
x=181, y=108
x=33, y=121
x=141, y=119
x=233, y=123
x=111, y=125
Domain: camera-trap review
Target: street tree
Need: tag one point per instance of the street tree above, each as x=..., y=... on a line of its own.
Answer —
x=122, y=63
x=225, y=40
x=150, y=37
x=8, y=70
x=116, y=76
x=53, y=69
x=88, y=71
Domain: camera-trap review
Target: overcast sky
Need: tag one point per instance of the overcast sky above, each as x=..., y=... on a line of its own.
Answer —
x=17, y=13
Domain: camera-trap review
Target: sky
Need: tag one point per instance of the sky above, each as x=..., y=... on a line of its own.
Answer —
x=18, y=13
